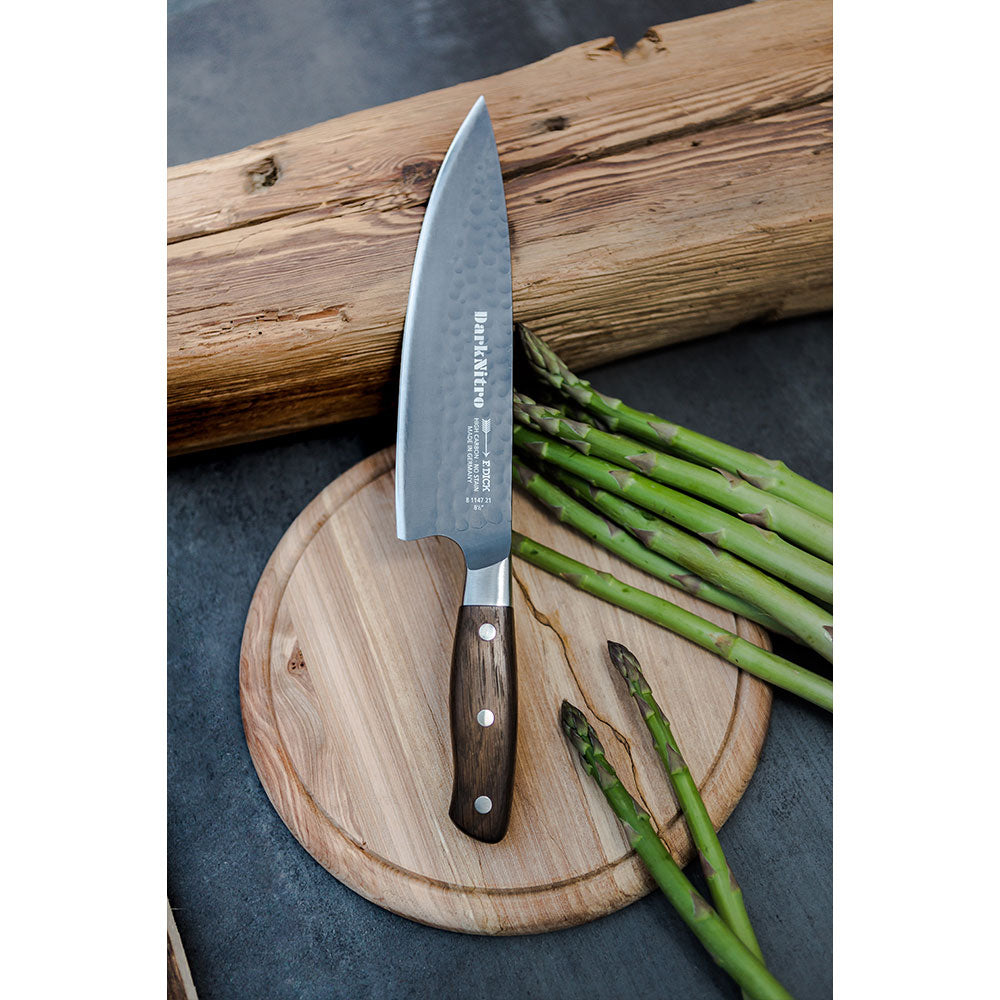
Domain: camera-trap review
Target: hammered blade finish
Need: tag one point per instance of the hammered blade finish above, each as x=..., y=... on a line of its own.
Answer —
x=453, y=442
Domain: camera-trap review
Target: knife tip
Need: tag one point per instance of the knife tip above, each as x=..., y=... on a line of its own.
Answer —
x=478, y=112
x=479, y=108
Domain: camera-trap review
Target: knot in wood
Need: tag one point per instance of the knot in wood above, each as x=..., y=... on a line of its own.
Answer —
x=264, y=174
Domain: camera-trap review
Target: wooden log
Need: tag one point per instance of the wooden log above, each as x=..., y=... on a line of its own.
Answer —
x=673, y=191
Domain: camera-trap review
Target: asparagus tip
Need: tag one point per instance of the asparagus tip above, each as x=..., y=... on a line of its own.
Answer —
x=581, y=734
x=624, y=660
x=524, y=333
x=529, y=342
x=543, y=359
x=575, y=726
x=627, y=664
x=579, y=730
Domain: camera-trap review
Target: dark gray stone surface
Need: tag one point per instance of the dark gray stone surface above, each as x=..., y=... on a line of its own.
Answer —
x=241, y=71
x=258, y=916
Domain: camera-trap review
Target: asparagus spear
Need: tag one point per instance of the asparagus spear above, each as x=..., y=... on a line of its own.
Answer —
x=759, y=662
x=722, y=886
x=717, y=939
x=811, y=624
x=773, y=476
x=763, y=548
x=616, y=540
x=717, y=486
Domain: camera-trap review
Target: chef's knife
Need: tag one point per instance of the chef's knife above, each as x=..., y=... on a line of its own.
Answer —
x=453, y=455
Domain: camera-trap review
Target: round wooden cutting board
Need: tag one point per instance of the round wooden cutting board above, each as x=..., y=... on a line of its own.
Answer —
x=344, y=679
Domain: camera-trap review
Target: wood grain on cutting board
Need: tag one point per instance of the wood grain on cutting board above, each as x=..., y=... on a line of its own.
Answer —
x=344, y=685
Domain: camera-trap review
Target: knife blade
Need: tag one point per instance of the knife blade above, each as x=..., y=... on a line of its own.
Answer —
x=453, y=454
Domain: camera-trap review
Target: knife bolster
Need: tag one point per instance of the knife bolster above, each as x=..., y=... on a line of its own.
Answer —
x=489, y=585
x=483, y=720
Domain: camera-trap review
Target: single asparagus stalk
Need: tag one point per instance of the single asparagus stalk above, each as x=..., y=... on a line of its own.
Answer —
x=617, y=540
x=773, y=476
x=717, y=486
x=759, y=662
x=543, y=393
x=722, y=885
x=762, y=548
x=717, y=939
x=808, y=622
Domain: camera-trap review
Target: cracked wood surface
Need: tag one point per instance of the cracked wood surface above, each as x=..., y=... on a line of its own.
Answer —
x=344, y=689
x=676, y=190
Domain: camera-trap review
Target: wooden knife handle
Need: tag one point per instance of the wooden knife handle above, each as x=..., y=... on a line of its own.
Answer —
x=483, y=721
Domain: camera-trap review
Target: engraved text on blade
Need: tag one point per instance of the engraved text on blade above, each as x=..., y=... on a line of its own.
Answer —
x=479, y=360
x=477, y=440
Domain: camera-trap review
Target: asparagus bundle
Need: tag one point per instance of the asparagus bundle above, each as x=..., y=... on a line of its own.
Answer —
x=615, y=539
x=740, y=531
x=762, y=548
x=722, y=885
x=808, y=622
x=731, y=647
x=717, y=486
x=771, y=476
x=713, y=933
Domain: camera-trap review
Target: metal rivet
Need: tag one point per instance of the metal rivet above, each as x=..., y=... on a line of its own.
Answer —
x=485, y=717
x=483, y=804
x=487, y=631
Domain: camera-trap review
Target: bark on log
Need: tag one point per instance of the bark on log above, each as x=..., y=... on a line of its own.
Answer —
x=676, y=190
